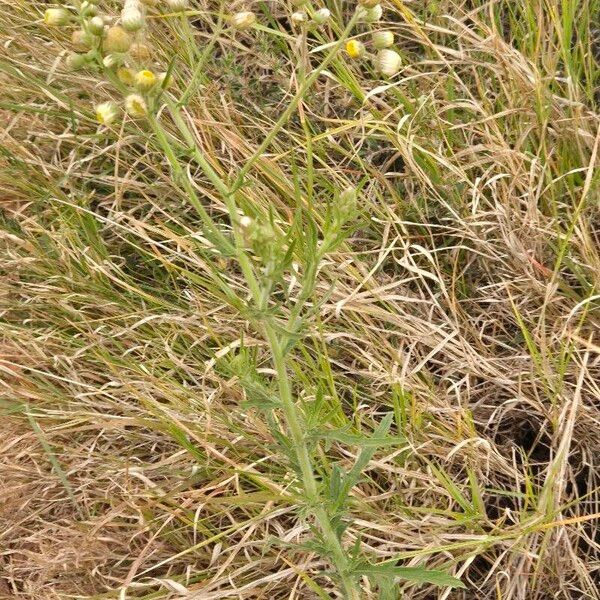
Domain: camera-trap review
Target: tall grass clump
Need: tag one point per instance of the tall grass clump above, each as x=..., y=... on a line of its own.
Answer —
x=300, y=300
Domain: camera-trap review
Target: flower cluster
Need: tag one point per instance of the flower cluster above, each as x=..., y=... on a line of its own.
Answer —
x=386, y=60
x=318, y=17
x=116, y=48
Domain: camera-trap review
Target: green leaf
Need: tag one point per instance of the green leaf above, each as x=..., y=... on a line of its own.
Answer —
x=414, y=574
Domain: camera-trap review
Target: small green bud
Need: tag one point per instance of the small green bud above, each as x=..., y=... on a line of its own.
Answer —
x=369, y=15
x=322, y=16
x=87, y=9
x=132, y=17
x=126, y=76
x=81, y=40
x=75, y=61
x=96, y=26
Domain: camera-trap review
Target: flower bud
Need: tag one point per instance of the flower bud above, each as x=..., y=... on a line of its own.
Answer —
x=243, y=20
x=382, y=39
x=370, y=15
x=75, y=61
x=96, y=26
x=106, y=113
x=139, y=52
x=57, y=17
x=246, y=222
x=369, y=3
x=298, y=18
x=132, y=17
x=177, y=5
x=321, y=16
x=117, y=40
x=145, y=80
x=126, y=76
x=135, y=105
x=88, y=9
x=388, y=62
x=81, y=41
x=111, y=60
x=355, y=49
x=132, y=20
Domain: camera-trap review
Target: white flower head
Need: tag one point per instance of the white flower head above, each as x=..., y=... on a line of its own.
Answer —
x=177, y=5
x=298, y=18
x=382, y=39
x=136, y=106
x=243, y=20
x=322, y=15
x=106, y=113
x=388, y=62
x=57, y=17
x=369, y=15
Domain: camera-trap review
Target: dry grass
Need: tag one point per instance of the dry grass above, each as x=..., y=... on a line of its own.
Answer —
x=139, y=453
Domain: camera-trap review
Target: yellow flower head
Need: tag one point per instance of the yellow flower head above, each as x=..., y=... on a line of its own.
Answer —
x=126, y=76
x=355, y=49
x=145, y=79
x=136, y=106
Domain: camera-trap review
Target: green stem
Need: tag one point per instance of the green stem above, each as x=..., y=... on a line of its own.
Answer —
x=309, y=483
x=292, y=414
